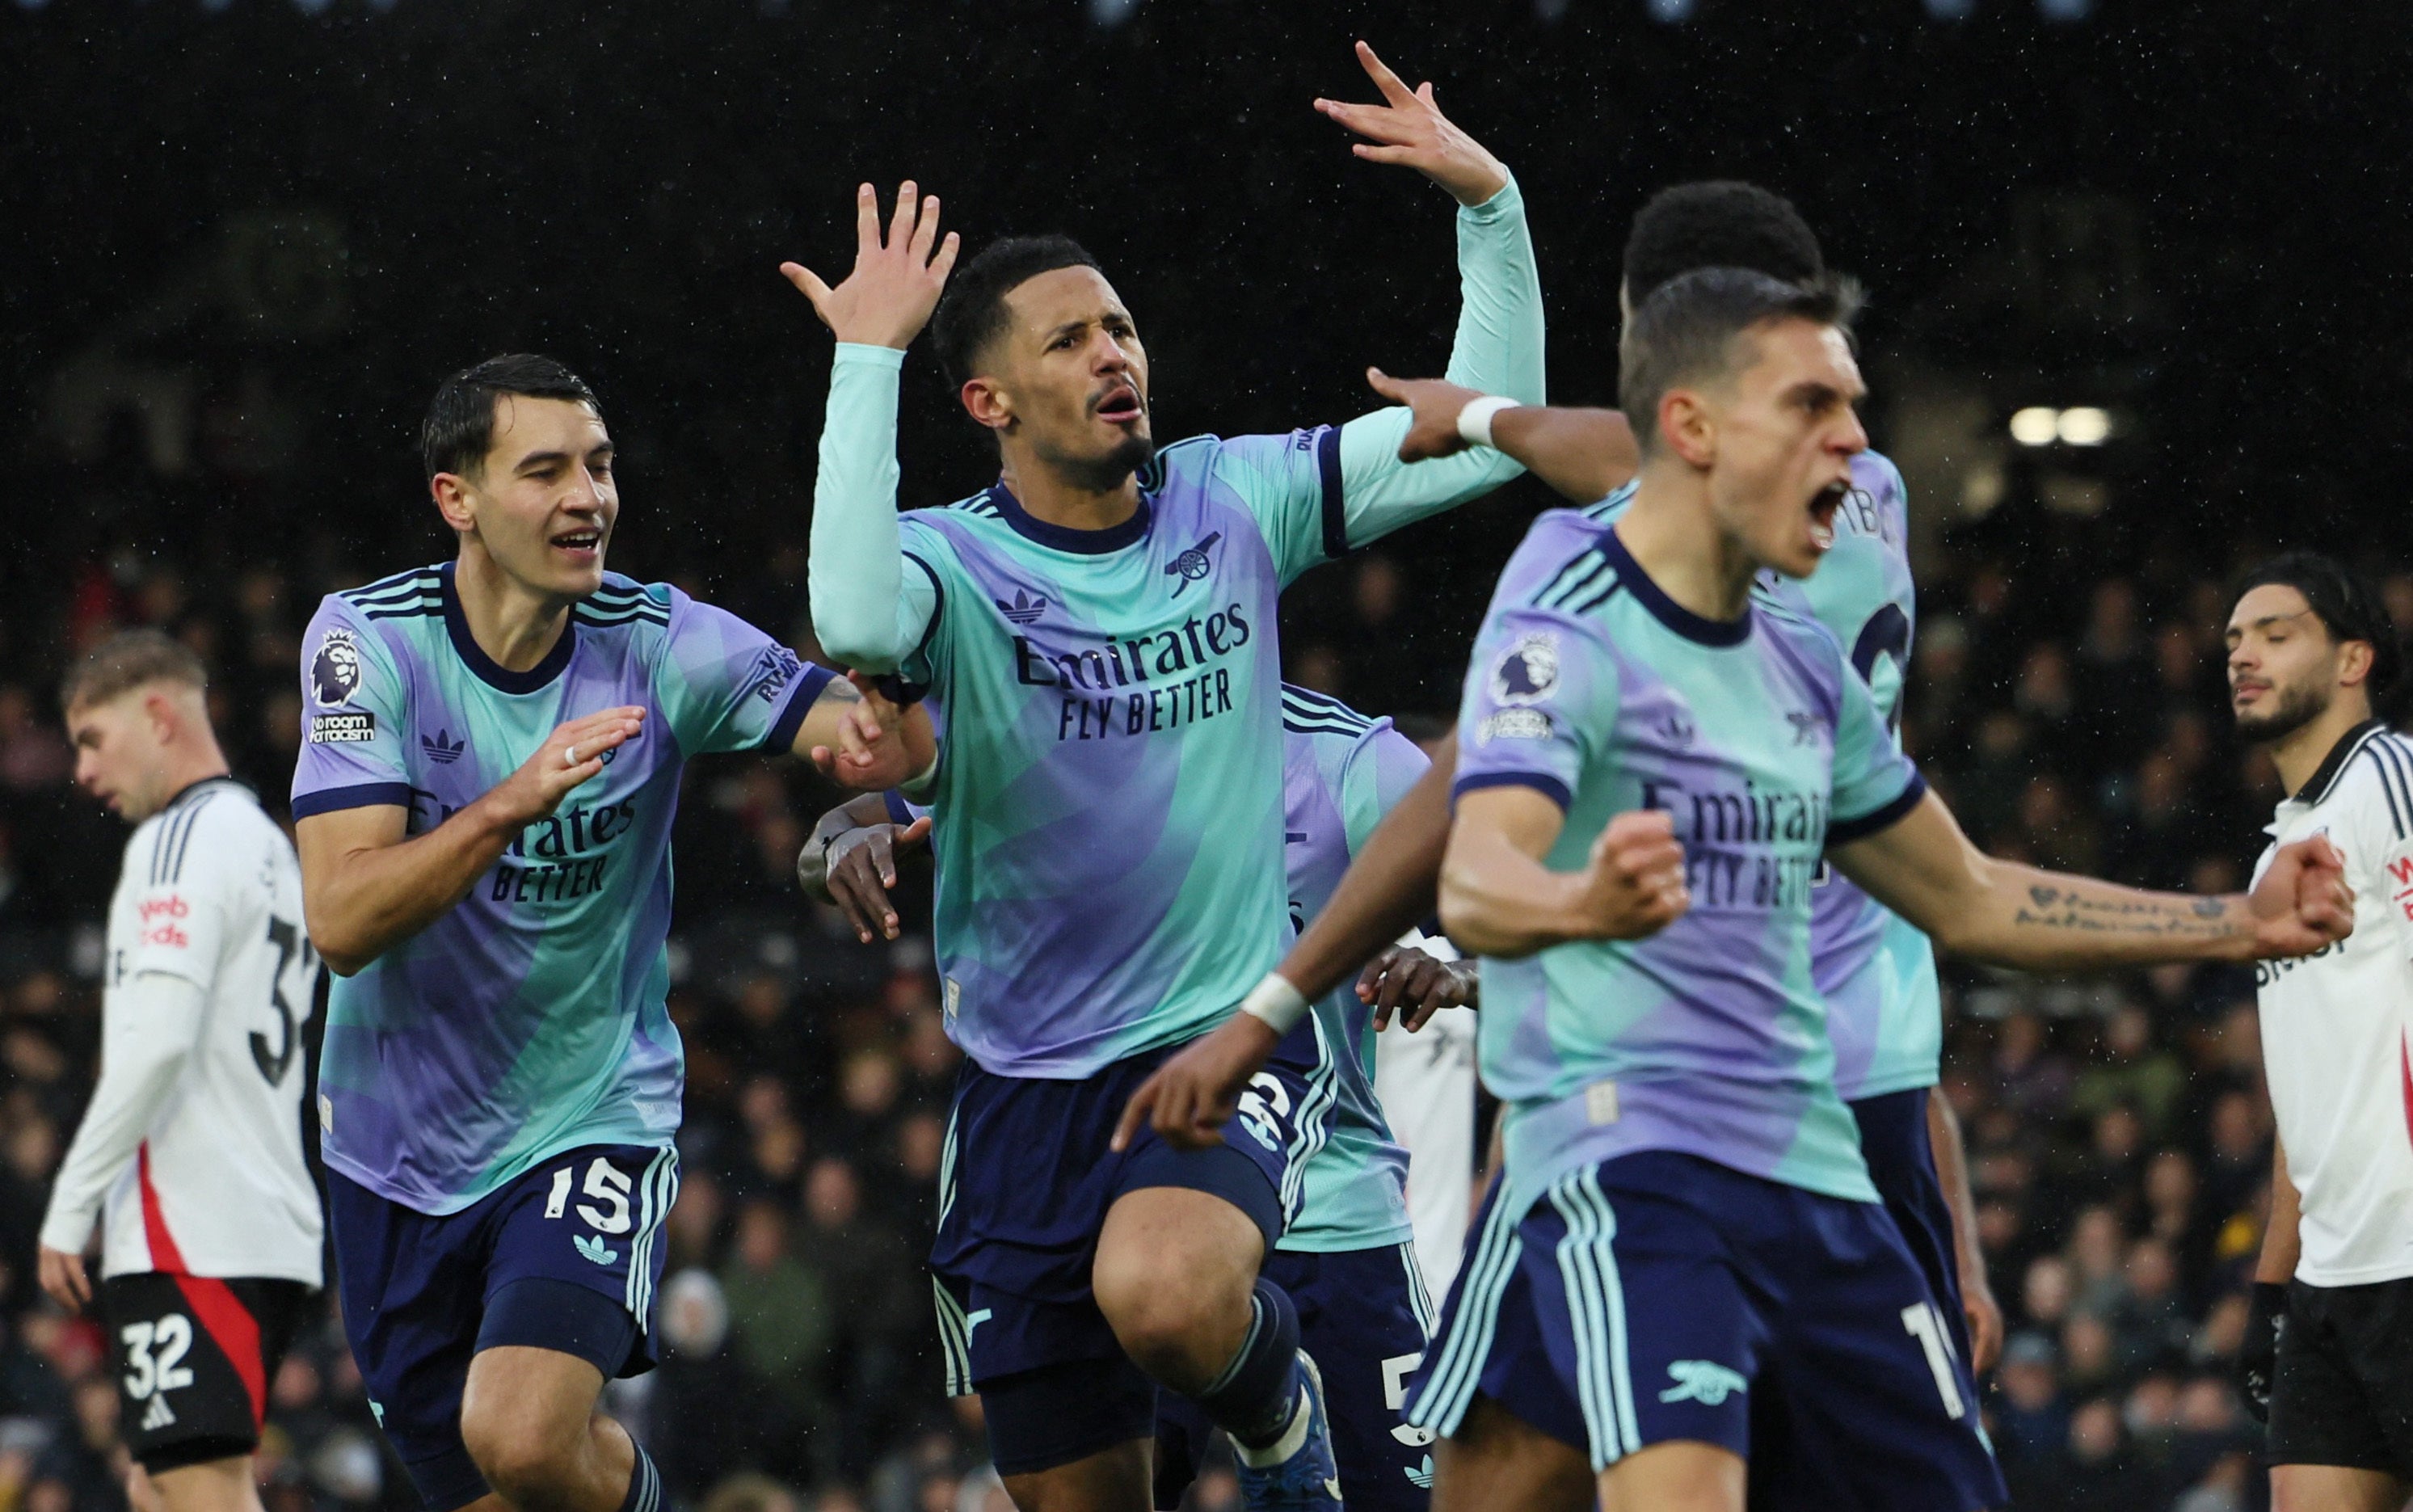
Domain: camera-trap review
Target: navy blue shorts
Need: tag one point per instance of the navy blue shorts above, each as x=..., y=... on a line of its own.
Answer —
x=1659, y=1297
x=566, y=1257
x=1024, y=1188
x=1363, y=1316
x=1902, y=1162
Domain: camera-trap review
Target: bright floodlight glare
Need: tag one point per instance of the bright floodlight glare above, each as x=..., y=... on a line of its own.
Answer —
x=2036, y=426
x=2085, y=426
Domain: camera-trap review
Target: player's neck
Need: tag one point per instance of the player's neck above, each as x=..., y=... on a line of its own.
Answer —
x=513, y=623
x=1046, y=495
x=1672, y=535
x=2299, y=753
x=186, y=762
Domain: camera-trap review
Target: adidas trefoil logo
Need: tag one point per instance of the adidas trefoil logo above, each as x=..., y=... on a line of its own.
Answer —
x=593, y=1249
x=1025, y=609
x=1422, y=1475
x=441, y=749
x=159, y=1417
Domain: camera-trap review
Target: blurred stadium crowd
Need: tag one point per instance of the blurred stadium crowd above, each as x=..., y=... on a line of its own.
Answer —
x=2119, y=1132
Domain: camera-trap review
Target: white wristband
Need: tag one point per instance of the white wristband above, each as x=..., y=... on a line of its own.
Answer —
x=1475, y=421
x=1276, y=1002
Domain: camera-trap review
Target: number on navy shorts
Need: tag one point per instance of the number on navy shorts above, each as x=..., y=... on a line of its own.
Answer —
x=607, y=1184
x=1396, y=1371
x=155, y=1354
x=1926, y=1325
x=1252, y=1108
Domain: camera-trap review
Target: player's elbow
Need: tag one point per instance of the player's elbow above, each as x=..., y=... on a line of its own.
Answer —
x=857, y=641
x=344, y=952
x=1469, y=921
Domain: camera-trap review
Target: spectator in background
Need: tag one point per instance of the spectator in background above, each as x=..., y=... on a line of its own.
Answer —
x=779, y=1311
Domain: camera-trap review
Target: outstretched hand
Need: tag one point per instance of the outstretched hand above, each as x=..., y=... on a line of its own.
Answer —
x=1190, y=1098
x=1407, y=128
x=895, y=286
x=2302, y=903
x=1433, y=405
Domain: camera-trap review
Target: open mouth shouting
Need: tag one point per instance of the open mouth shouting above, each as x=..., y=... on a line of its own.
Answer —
x=1119, y=405
x=1823, y=505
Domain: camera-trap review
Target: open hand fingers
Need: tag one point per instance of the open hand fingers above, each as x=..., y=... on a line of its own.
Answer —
x=1384, y=80
x=1381, y=123
x=867, y=223
x=810, y=285
x=900, y=225
x=926, y=233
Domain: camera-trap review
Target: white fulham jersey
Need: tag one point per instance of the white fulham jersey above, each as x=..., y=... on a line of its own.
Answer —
x=209, y=893
x=2334, y=1023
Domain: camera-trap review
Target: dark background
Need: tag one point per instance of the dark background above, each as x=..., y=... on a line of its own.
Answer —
x=239, y=245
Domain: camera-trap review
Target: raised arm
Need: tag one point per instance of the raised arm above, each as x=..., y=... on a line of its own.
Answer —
x=1498, y=345
x=1924, y=868
x=365, y=888
x=870, y=611
x=1584, y=454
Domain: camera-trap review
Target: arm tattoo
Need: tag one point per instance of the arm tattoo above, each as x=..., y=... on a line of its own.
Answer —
x=2068, y=908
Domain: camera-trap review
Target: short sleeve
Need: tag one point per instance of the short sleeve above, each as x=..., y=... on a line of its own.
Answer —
x=178, y=870
x=1381, y=770
x=725, y=686
x=1874, y=783
x=2376, y=834
x=1291, y=485
x=1541, y=700
x=354, y=706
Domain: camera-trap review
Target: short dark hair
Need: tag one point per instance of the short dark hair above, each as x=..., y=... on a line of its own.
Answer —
x=1718, y=223
x=2343, y=599
x=460, y=425
x=1688, y=329
x=127, y=662
x=972, y=313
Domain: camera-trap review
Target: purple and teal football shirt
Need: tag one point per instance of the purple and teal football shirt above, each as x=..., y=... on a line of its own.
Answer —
x=529, y=1019
x=1589, y=685
x=1109, y=798
x=1885, y=1007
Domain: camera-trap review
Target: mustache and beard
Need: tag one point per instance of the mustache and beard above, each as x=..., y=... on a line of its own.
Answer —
x=1103, y=471
x=2292, y=708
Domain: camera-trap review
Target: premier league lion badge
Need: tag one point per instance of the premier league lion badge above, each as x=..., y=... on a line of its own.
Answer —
x=1527, y=671
x=336, y=671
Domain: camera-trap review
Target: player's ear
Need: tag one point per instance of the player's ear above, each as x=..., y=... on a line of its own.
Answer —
x=2353, y=663
x=1687, y=426
x=159, y=708
x=986, y=404
x=450, y=492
